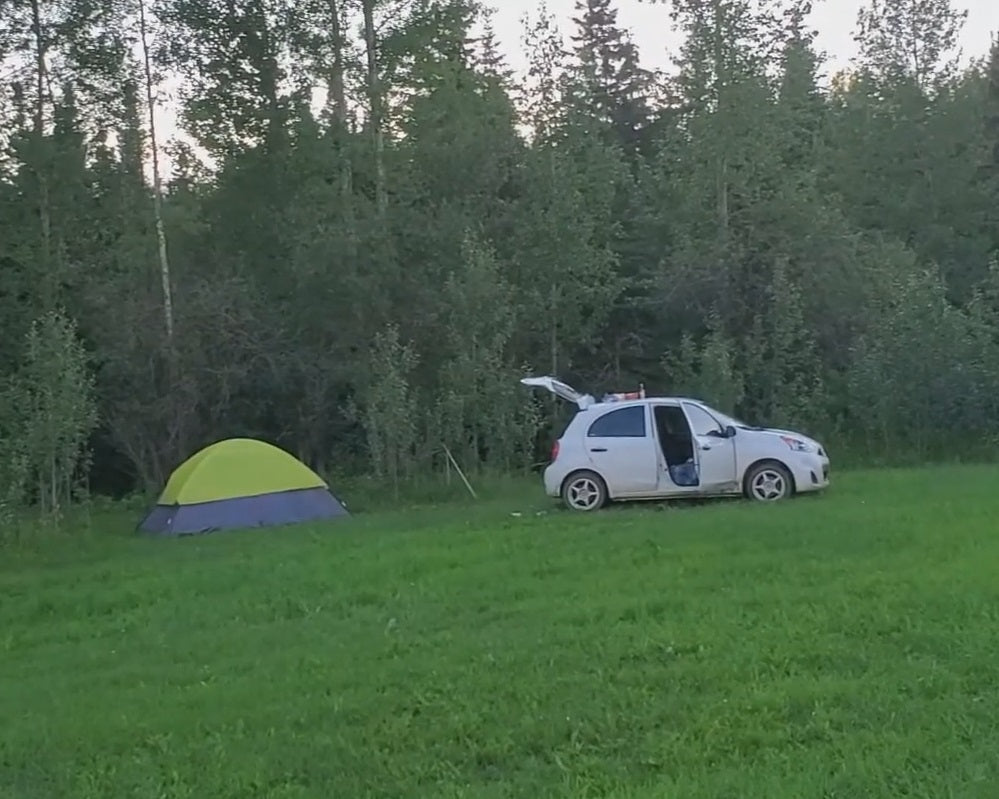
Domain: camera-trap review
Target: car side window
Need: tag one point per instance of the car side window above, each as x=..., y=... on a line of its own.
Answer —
x=623, y=423
x=701, y=422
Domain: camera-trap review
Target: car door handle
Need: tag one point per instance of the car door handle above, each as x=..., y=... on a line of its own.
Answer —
x=598, y=449
x=705, y=446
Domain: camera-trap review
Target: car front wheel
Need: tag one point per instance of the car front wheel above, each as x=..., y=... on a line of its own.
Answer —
x=769, y=482
x=584, y=491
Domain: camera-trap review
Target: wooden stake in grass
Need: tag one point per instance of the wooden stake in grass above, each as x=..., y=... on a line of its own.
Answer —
x=461, y=474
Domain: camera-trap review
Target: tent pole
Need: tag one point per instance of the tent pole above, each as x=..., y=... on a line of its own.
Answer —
x=461, y=474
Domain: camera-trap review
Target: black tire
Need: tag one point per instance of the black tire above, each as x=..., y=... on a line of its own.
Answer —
x=768, y=481
x=584, y=492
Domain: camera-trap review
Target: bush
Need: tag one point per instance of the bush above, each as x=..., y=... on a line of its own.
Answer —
x=50, y=413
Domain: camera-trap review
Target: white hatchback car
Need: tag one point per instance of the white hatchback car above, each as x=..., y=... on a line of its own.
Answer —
x=632, y=447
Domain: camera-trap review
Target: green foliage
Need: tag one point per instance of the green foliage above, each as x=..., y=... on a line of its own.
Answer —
x=387, y=233
x=52, y=400
x=785, y=383
x=563, y=261
x=15, y=464
x=482, y=413
x=936, y=383
x=910, y=40
x=390, y=412
x=608, y=85
x=708, y=369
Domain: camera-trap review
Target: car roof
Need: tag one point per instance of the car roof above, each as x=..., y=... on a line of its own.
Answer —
x=643, y=401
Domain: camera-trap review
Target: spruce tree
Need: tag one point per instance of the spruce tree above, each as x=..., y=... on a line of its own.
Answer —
x=990, y=169
x=610, y=85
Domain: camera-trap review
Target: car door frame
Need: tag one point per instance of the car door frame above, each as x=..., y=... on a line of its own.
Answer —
x=714, y=449
x=667, y=488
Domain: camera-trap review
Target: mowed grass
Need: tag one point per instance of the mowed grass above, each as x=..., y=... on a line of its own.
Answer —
x=841, y=646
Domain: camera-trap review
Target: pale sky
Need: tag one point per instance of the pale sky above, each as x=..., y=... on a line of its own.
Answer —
x=651, y=30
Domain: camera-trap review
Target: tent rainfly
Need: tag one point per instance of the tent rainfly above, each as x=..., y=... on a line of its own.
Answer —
x=240, y=483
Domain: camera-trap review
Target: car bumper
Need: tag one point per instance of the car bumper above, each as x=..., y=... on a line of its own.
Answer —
x=811, y=473
x=553, y=478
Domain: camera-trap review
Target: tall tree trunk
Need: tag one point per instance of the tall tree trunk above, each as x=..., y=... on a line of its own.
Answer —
x=157, y=182
x=338, y=93
x=270, y=79
x=341, y=133
x=41, y=162
x=721, y=176
x=721, y=84
x=553, y=349
x=375, y=104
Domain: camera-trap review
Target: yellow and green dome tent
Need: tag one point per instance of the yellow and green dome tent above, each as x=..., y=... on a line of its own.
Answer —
x=240, y=482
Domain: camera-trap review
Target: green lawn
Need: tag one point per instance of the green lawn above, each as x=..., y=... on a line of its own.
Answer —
x=840, y=646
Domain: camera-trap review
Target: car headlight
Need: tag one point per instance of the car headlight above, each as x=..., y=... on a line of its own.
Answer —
x=797, y=445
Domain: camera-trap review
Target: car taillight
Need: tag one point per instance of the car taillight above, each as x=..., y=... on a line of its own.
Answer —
x=554, y=450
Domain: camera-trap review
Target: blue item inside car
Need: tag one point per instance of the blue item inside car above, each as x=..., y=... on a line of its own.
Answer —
x=685, y=474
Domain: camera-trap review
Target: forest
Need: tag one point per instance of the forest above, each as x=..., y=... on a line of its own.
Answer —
x=371, y=228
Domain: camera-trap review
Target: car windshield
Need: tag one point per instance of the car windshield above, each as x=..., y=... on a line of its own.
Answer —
x=725, y=419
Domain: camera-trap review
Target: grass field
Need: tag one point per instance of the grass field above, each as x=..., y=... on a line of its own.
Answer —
x=841, y=646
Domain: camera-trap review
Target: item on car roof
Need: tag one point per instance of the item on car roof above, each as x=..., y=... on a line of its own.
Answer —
x=626, y=395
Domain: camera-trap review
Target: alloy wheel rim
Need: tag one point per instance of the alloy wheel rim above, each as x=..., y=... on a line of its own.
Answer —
x=584, y=494
x=769, y=485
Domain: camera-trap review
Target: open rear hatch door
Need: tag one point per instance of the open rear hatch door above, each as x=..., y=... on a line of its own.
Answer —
x=560, y=389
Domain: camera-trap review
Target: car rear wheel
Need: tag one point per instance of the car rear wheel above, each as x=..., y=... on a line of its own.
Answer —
x=769, y=482
x=584, y=491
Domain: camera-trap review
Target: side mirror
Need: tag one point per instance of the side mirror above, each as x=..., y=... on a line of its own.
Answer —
x=729, y=432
